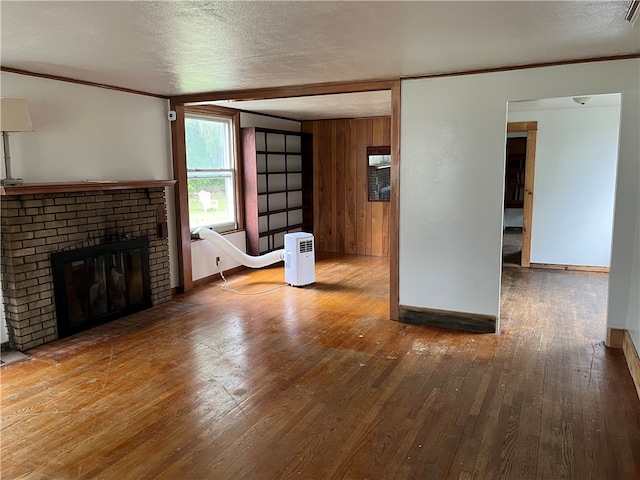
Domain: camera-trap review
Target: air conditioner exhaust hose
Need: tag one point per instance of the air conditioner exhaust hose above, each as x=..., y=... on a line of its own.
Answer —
x=239, y=256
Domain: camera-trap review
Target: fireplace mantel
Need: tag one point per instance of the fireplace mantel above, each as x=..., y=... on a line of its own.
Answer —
x=88, y=186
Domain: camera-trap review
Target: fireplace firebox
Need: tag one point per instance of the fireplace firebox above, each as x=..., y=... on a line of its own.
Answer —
x=98, y=284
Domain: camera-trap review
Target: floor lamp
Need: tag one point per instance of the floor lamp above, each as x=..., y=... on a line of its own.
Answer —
x=14, y=118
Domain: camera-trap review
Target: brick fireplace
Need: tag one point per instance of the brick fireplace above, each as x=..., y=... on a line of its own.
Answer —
x=38, y=220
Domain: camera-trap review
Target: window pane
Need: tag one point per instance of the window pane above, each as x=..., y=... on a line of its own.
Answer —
x=207, y=143
x=379, y=183
x=211, y=200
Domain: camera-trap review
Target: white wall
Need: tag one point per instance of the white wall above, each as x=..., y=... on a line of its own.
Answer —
x=452, y=144
x=513, y=217
x=633, y=314
x=90, y=133
x=452, y=179
x=624, y=279
x=574, y=188
x=204, y=253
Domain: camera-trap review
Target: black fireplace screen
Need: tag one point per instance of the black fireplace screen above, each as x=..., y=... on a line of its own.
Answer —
x=98, y=284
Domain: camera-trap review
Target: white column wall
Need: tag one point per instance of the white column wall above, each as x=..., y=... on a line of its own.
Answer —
x=574, y=188
x=624, y=279
x=452, y=176
x=633, y=314
x=451, y=194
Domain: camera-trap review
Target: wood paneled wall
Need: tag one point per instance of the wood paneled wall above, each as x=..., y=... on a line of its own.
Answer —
x=344, y=219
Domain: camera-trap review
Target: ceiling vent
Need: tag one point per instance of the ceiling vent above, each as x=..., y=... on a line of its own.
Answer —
x=633, y=12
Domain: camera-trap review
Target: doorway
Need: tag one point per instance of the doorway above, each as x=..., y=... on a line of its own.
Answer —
x=571, y=158
x=576, y=162
x=292, y=103
x=518, y=199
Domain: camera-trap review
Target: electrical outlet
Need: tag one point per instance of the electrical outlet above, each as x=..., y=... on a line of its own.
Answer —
x=217, y=261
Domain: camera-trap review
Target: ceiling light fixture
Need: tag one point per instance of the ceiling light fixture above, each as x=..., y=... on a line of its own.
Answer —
x=633, y=11
x=582, y=100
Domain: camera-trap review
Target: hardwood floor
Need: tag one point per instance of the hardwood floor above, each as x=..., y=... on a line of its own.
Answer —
x=512, y=247
x=316, y=383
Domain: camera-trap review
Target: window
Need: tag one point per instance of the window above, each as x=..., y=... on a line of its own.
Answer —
x=211, y=172
x=379, y=164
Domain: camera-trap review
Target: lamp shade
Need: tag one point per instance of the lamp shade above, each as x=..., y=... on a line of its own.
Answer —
x=14, y=115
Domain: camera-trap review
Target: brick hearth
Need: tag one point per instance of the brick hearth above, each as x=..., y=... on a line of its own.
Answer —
x=36, y=225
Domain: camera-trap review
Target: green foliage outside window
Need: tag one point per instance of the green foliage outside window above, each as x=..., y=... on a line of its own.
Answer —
x=210, y=172
x=207, y=144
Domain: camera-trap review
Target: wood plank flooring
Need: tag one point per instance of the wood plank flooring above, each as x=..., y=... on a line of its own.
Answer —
x=317, y=383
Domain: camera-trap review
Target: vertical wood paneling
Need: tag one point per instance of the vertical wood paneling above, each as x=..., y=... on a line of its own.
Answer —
x=377, y=214
x=351, y=149
x=313, y=128
x=385, y=229
x=378, y=130
x=340, y=185
x=321, y=236
x=368, y=239
x=361, y=188
x=386, y=137
x=318, y=177
x=334, y=187
x=377, y=208
x=329, y=173
x=325, y=214
x=344, y=219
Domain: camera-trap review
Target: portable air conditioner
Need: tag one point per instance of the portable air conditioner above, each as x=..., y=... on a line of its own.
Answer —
x=300, y=261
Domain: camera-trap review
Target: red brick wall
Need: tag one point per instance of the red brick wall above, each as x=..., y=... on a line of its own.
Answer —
x=34, y=226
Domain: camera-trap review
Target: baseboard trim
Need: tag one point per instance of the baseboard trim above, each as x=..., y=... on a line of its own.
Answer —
x=633, y=360
x=615, y=337
x=447, y=319
x=216, y=276
x=576, y=268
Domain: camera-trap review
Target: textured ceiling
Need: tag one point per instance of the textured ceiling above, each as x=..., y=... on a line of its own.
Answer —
x=181, y=47
x=564, y=103
x=322, y=107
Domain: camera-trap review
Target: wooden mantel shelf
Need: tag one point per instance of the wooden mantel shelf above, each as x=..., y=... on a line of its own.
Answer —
x=88, y=186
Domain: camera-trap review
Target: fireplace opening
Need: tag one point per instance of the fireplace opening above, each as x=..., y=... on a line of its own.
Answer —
x=99, y=284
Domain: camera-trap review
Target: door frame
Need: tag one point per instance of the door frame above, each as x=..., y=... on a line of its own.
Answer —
x=178, y=103
x=531, y=129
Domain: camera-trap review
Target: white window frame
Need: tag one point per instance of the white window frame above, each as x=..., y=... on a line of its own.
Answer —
x=229, y=174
